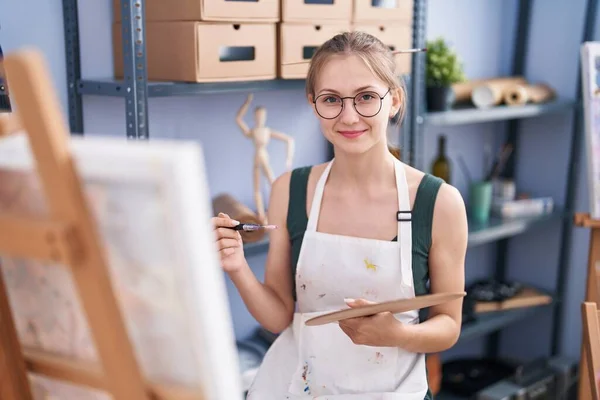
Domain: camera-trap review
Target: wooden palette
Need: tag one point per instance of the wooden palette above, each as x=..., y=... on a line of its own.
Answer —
x=394, y=306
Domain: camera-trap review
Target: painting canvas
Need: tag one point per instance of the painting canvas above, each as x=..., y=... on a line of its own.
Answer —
x=590, y=65
x=152, y=207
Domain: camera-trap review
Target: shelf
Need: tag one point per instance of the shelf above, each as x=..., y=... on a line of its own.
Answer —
x=115, y=88
x=493, y=321
x=498, y=228
x=471, y=115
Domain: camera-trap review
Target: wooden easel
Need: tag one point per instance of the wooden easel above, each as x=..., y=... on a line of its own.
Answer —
x=68, y=236
x=592, y=295
x=590, y=318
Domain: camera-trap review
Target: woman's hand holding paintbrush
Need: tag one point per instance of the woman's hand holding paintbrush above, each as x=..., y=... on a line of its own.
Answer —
x=229, y=240
x=265, y=301
x=229, y=243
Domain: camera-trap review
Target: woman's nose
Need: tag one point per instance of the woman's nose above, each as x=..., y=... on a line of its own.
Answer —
x=349, y=115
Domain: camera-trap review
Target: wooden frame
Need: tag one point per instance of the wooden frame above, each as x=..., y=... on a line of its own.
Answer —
x=591, y=344
x=592, y=299
x=69, y=236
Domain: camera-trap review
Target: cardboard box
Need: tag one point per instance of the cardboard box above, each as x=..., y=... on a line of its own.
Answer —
x=379, y=11
x=208, y=10
x=205, y=51
x=297, y=42
x=396, y=36
x=316, y=11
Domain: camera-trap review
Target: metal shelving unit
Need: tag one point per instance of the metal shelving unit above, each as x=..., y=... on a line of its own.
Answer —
x=501, y=231
x=136, y=90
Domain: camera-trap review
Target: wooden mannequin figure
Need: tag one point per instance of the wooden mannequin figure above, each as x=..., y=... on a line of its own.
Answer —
x=261, y=135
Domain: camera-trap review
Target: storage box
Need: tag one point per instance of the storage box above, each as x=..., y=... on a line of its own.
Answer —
x=378, y=11
x=205, y=51
x=316, y=11
x=207, y=10
x=396, y=36
x=297, y=42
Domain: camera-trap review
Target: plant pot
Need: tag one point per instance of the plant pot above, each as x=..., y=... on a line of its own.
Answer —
x=440, y=98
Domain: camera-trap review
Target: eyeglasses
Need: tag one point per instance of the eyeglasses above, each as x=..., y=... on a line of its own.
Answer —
x=367, y=104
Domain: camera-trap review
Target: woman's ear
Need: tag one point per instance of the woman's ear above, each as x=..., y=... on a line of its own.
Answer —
x=397, y=97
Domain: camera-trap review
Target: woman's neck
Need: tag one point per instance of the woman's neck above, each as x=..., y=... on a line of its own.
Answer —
x=370, y=171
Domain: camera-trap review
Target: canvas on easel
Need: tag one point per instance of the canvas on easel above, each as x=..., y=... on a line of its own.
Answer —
x=590, y=72
x=121, y=269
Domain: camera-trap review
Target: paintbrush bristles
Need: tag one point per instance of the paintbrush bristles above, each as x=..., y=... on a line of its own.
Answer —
x=403, y=51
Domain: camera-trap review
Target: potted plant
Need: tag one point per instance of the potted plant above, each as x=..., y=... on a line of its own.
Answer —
x=442, y=69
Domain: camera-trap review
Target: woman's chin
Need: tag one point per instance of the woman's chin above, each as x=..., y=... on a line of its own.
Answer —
x=353, y=147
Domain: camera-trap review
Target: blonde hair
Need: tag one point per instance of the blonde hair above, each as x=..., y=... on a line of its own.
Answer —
x=376, y=55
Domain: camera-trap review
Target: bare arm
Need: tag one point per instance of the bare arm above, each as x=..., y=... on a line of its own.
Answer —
x=239, y=118
x=290, y=145
x=271, y=303
x=447, y=274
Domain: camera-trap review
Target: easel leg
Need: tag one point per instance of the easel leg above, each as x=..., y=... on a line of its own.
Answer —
x=13, y=376
x=591, y=294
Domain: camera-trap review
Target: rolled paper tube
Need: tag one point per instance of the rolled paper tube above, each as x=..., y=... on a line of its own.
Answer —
x=225, y=203
x=522, y=94
x=540, y=93
x=488, y=95
x=515, y=95
x=464, y=90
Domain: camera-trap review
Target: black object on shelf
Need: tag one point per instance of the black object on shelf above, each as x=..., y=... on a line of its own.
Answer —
x=493, y=290
x=467, y=376
x=4, y=99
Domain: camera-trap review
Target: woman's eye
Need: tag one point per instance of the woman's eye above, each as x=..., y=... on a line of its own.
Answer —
x=330, y=99
x=366, y=97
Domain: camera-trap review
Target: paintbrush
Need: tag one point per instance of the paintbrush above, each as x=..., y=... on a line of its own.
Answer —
x=500, y=162
x=404, y=51
x=252, y=227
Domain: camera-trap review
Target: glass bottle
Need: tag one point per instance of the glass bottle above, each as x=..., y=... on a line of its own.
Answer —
x=441, y=165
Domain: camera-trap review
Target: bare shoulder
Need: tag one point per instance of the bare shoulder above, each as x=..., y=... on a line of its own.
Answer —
x=449, y=216
x=280, y=191
x=278, y=204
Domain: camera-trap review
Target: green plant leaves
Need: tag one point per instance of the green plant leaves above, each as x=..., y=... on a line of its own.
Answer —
x=443, y=66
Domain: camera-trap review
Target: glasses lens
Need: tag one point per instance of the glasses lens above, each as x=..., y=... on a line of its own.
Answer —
x=328, y=105
x=367, y=103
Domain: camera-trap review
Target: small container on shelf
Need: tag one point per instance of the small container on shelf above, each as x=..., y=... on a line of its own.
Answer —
x=207, y=10
x=313, y=12
x=192, y=51
x=396, y=35
x=298, y=42
x=382, y=11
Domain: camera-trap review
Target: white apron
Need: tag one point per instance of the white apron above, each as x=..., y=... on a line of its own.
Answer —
x=322, y=362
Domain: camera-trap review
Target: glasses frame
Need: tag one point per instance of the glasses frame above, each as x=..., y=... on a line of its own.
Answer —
x=353, y=103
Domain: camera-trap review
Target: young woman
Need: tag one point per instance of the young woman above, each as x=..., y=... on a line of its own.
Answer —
x=342, y=243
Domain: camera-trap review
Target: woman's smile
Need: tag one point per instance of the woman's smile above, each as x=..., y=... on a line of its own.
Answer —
x=352, y=134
